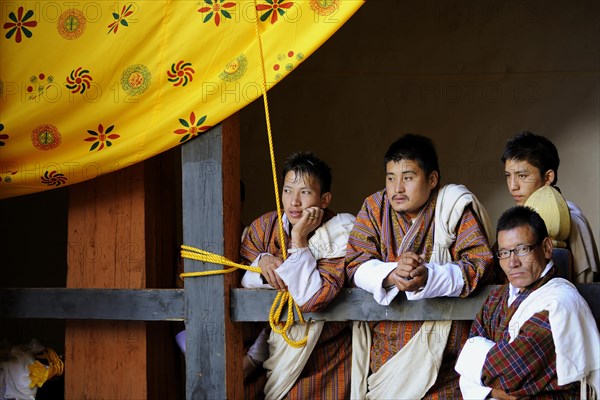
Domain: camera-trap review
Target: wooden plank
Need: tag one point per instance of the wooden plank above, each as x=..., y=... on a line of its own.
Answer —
x=113, y=304
x=162, y=194
x=106, y=233
x=247, y=305
x=250, y=305
x=202, y=211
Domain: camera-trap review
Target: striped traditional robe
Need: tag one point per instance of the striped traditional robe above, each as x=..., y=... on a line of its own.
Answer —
x=327, y=372
x=377, y=234
x=526, y=367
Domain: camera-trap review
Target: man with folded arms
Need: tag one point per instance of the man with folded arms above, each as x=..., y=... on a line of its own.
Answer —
x=534, y=336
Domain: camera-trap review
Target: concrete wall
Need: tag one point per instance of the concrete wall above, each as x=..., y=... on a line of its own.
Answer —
x=469, y=74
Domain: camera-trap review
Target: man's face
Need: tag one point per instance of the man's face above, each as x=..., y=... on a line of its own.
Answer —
x=299, y=193
x=523, y=179
x=407, y=186
x=522, y=271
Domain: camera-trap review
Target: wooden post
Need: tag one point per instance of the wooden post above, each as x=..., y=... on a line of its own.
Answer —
x=211, y=221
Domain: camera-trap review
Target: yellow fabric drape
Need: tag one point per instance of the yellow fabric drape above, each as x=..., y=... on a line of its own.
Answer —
x=90, y=87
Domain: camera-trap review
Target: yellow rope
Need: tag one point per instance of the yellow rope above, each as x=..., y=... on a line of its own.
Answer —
x=283, y=297
x=201, y=255
x=263, y=86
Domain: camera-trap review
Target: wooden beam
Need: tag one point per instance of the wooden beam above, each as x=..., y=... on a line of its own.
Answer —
x=112, y=304
x=247, y=305
x=357, y=305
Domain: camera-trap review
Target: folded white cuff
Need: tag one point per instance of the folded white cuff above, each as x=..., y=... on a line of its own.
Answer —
x=473, y=390
x=253, y=280
x=370, y=276
x=300, y=274
x=470, y=366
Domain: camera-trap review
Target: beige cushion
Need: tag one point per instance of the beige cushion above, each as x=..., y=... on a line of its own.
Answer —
x=553, y=209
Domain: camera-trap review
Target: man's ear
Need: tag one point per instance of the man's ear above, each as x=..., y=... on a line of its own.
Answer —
x=547, y=246
x=434, y=177
x=325, y=199
x=549, y=177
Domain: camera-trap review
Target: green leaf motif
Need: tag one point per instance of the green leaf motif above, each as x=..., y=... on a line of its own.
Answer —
x=266, y=15
x=28, y=15
x=184, y=122
x=96, y=144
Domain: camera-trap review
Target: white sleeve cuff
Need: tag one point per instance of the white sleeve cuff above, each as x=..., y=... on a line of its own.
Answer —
x=300, y=274
x=443, y=280
x=472, y=358
x=253, y=280
x=370, y=276
x=473, y=390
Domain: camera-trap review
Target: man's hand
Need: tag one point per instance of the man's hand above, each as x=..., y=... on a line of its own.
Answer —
x=500, y=394
x=310, y=221
x=268, y=264
x=410, y=274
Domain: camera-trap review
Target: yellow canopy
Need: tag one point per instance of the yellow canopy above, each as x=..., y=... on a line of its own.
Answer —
x=90, y=87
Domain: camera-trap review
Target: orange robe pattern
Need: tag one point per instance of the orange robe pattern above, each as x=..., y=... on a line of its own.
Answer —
x=377, y=234
x=327, y=372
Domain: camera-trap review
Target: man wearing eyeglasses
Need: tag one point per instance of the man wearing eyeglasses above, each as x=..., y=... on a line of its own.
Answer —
x=534, y=336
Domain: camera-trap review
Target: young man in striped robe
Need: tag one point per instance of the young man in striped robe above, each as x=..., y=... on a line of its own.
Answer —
x=534, y=337
x=416, y=238
x=313, y=273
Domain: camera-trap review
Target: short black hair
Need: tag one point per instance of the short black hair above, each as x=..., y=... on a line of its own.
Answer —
x=305, y=163
x=518, y=216
x=535, y=149
x=416, y=148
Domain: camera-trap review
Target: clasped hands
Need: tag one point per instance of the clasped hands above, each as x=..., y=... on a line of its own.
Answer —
x=410, y=274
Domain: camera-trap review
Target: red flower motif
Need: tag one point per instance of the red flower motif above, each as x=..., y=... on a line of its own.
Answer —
x=100, y=138
x=216, y=8
x=273, y=9
x=181, y=73
x=19, y=24
x=193, y=127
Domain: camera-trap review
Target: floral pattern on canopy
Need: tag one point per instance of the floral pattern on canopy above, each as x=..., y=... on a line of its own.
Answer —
x=90, y=87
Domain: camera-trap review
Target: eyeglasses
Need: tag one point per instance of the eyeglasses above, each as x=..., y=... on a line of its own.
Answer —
x=521, y=250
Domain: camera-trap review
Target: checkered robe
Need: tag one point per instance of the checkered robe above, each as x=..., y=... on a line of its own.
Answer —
x=377, y=234
x=327, y=372
x=527, y=366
